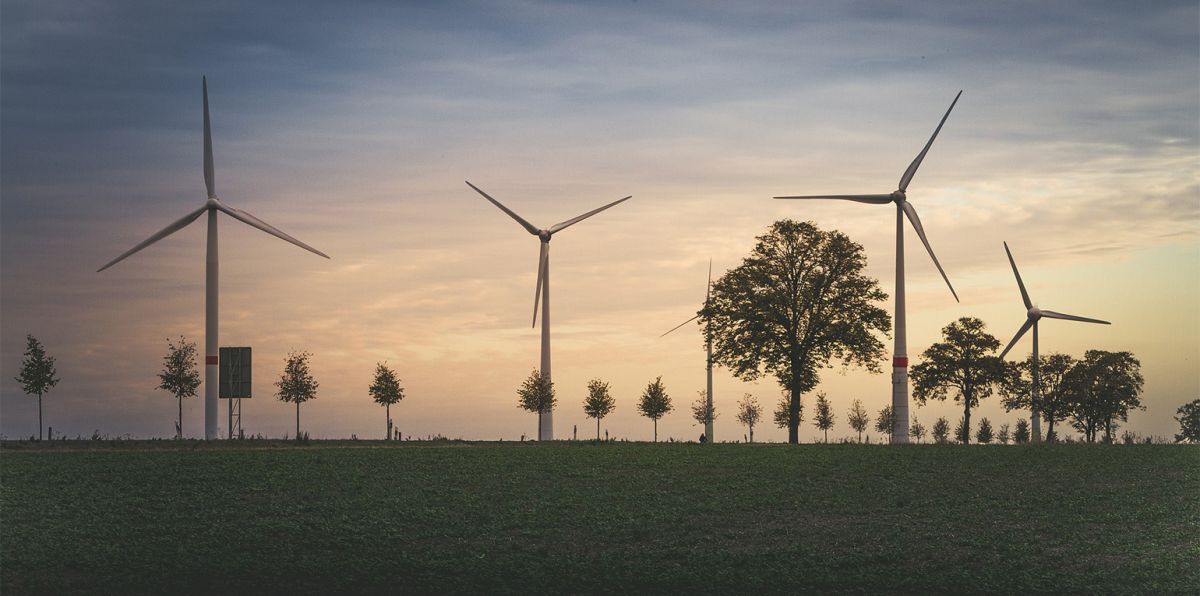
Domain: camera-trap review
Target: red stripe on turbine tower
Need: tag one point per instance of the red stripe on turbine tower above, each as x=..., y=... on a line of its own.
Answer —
x=212, y=360
x=900, y=362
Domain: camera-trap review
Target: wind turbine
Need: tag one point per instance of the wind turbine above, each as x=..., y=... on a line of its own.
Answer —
x=211, y=207
x=1033, y=315
x=708, y=424
x=542, y=291
x=903, y=208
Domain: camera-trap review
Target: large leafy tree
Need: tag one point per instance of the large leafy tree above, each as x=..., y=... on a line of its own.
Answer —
x=296, y=385
x=1054, y=401
x=655, y=403
x=37, y=374
x=858, y=418
x=1103, y=387
x=1188, y=417
x=749, y=412
x=180, y=375
x=385, y=390
x=798, y=302
x=598, y=403
x=824, y=417
x=536, y=395
x=964, y=365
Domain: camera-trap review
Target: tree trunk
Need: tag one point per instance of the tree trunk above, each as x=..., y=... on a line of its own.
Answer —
x=39, y=416
x=827, y=436
x=297, y=421
x=794, y=406
x=387, y=409
x=966, y=438
x=656, y=430
x=751, y=433
x=597, y=430
x=1050, y=428
x=179, y=428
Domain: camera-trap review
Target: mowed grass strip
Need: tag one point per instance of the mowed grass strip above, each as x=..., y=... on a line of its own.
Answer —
x=582, y=518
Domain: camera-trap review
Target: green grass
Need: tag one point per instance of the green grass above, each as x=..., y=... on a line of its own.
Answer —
x=163, y=517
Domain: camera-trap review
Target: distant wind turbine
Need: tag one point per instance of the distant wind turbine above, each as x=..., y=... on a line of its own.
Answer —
x=903, y=208
x=1033, y=315
x=708, y=424
x=542, y=291
x=211, y=206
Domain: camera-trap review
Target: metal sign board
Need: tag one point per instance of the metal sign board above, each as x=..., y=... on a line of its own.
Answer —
x=235, y=373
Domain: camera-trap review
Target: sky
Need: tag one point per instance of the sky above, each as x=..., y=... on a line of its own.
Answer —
x=352, y=126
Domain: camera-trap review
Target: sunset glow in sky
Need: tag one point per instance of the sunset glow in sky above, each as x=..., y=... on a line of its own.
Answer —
x=352, y=127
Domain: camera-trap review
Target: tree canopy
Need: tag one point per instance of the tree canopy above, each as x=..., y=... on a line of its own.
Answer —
x=858, y=418
x=180, y=375
x=297, y=384
x=655, y=403
x=536, y=395
x=598, y=403
x=799, y=301
x=963, y=365
x=385, y=390
x=37, y=375
x=749, y=412
x=1188, y=417
x=701, y=412
x=824, y=417
x=1054, y=400
x=1103, y=387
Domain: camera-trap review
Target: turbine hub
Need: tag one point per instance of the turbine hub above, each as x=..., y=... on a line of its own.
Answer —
x=898, y=196
x=1035, y=313
x=212, y=202
x=544, y=235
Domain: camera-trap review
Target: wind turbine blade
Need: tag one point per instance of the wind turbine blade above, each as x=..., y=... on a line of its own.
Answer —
x=912, y=168
x=916, y=222
x=163, y=233
x=541, y=275
x=1028, y=323
x=250, y=220
x=532, y=229
x=210, y=181
x=680, y=325
x=1057, y=315
x=873, y=199
x=558, y=226
x=1020, y=284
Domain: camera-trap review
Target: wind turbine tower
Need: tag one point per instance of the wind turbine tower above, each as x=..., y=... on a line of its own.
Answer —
x=1032, y=316
x=708, y=424
x=212, y=267
x=903, y=209
x=542, y=291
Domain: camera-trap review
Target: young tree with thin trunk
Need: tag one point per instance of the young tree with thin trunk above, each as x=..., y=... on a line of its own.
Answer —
x=655, y=403
x=798, y=302
x=1021, y=434
x=886, y=422
x=296, y=385
x=749, y=413
x=984, y=434
x=824, y=418
x=385, y=390
x=782, y=413
x=37, y=374
x=917, y=430
x=180, y=375
x=962, y=431
x=941, y=431
x=1004, y=435
x=701, y=413
x=858, y=418
x=964, y=364
x=536, y=395
x=598, y=403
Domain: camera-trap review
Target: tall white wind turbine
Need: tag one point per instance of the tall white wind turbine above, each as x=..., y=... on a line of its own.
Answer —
x=211, y=207
x=903, y=208
x=708, y=424
x=542, y=291
x=1032, y=316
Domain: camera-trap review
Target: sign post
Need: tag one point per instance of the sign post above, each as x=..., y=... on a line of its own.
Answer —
x=234, y=384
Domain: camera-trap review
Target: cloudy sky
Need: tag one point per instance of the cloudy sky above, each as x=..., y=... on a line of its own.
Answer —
x=353, y=126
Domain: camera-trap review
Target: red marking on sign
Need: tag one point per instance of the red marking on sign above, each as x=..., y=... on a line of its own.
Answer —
x=212, y=360
x=900, y=362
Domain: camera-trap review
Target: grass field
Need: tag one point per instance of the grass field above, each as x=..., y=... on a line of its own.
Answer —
x=164, y=517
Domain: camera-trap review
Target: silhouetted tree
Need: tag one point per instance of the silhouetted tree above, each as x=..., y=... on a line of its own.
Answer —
x=1188, y=417
x=749, y=413
x=962, y=431
x=180, y=375
x=963, y=364
x=984, y=434
x=941, y=431
x=824, y=418
x=598, y=403
x=1103, y=387
x=1004, y=435
x=799, y=301
x=536, y=395
x=701, y=413
x=1054, y=402
x=655, y=403
x=885, y=422
x=297, y=384
x=916, y=431
x=386, y=390
x=858, y=418
x=782, y=413
x=37, y=374
x=1021, y=435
